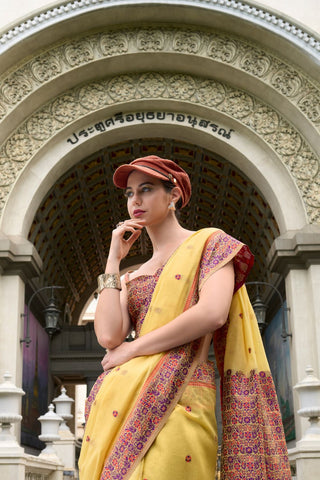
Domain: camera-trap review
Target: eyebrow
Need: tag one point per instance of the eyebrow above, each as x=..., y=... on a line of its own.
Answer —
x=141, y=185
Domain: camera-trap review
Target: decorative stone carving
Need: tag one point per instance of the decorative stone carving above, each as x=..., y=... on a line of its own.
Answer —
x=77, y=53
x=41, y=125
x=113, y=43
x=19, y=147
x=45, y=67
x=122, y=88
x=93, y=96
x=242, y=9
x=72, y=105
x=66, y=108
x=285, y=140
x=3, y=110
x=310, y=106
x=211, y=93
x=15, y=86
x=181, y=86
x=150, y=39
x=187, y=41
x=256, y=62
x=238, y=104
x=287, y=81
x=151, y=85
x=222, y=48
x=264, y=120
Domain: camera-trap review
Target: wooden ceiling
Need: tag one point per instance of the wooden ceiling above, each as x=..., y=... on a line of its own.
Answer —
x=72, y=227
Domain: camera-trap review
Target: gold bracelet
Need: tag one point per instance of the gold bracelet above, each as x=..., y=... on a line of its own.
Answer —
x=109, y=280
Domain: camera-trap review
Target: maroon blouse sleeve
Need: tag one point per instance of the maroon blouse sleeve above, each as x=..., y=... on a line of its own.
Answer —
x=219, y=250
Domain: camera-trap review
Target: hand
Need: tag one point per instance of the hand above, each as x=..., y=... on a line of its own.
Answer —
x=120, y=246
x=118, y=356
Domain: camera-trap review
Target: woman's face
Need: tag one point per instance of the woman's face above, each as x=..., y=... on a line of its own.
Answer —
x=147, y=198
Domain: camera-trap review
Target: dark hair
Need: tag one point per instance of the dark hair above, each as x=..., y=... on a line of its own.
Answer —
x=168, y=186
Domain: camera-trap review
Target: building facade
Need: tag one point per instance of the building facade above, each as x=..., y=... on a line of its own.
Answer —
x=228, y=89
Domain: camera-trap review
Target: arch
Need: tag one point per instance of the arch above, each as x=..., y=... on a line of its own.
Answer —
x=244, y=150
x=207, y=12
x=275, y=92
x=96, y=102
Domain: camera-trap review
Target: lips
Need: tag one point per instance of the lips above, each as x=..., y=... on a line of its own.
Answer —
x=138, y=213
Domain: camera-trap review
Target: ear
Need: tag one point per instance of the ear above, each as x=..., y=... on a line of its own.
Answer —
x=175, y=194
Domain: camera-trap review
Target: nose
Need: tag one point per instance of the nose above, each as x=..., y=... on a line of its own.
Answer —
x=136, y=200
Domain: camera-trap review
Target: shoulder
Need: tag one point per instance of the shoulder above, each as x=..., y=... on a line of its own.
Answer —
x=222, y=248
x=221, y=243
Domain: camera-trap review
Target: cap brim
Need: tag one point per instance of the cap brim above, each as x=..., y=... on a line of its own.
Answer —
x=120, y=177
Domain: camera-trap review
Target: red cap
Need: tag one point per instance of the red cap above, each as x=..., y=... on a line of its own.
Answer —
x=158, y=168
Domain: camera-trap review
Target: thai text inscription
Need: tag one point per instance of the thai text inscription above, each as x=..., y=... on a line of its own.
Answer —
x=145, y=117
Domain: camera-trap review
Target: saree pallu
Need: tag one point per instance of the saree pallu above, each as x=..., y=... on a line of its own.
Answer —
x=138, y=410
x=253, y=443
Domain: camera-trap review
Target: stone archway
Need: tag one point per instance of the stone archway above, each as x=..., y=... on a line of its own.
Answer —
x=242, y=147
x=207, y=97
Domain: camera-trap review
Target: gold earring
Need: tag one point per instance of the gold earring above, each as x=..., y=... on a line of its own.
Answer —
x=172, y=206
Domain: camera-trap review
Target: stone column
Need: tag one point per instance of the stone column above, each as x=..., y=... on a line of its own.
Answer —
x=18, y=262
x=11, y=325
x=296, y=256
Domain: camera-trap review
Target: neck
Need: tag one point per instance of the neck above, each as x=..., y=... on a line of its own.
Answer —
x=169, y=232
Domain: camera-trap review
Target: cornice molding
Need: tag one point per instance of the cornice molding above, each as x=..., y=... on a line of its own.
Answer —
x=295, y=250
x=18, y=256
x=266, y=18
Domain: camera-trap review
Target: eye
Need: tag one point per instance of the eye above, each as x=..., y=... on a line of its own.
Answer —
x=146, y=189
x=128, y=194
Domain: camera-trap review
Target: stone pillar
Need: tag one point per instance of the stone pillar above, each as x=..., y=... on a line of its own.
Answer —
x=296, y=256
x=304, y=348
x=314, y=284
x=11, y=326
x=19, y=261
x=306, y=454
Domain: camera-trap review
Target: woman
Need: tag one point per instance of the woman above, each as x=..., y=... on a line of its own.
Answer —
x=150, y=414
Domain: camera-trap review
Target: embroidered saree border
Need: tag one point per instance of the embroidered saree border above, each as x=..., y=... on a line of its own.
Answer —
x=254, y=445
x=253, y=439
x=154, y=405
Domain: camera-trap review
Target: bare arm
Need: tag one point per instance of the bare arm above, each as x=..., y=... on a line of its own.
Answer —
x=112, y=323
x=209, y=314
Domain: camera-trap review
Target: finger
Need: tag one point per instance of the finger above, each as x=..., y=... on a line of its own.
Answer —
x=133, y=238
x=130, y=222
x=105, y=366
x=135, y=235
x=126, y=227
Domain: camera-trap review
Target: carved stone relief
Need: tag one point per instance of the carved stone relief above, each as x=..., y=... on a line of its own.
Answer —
x=72, y=105
x=301, y=91
x=293, y=84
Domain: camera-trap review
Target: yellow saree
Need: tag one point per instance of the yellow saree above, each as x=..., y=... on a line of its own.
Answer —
x=149, y=420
